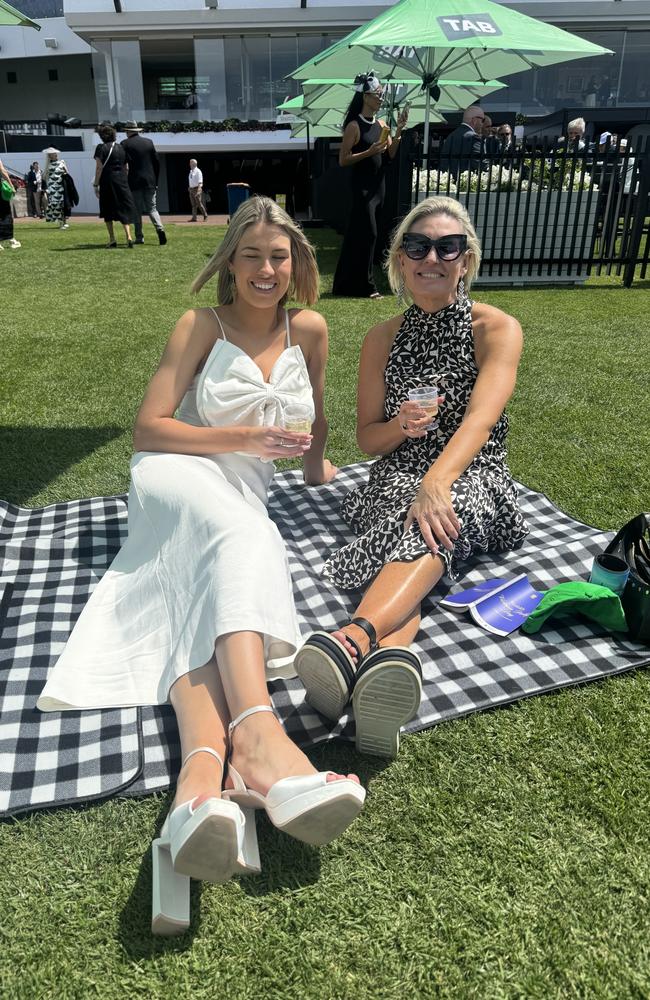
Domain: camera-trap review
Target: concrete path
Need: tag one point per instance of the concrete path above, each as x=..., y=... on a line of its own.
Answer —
x=182, y=220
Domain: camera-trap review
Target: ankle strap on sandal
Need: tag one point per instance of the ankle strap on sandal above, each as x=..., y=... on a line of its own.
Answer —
x=244, y=715
x=209, y=750
x=366, y=627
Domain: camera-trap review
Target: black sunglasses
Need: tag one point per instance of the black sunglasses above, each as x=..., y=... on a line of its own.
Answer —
x=416, y=246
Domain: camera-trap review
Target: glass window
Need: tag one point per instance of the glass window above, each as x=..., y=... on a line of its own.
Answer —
x=256, y=73
x=591, y=82
x=635, y=79
x=103, y=77
x=210, y=60
x=171, y=86
x=127, y=79
x=309, y=46
x=284, y=59
x=234, y=75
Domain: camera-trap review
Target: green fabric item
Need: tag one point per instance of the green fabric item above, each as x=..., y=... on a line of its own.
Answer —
x=9, y=15
x=448, y=38
x=332, y=97
x=567, y=600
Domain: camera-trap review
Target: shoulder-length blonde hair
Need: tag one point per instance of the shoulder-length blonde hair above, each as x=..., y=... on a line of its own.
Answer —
x=304, y=285
x=437, y=205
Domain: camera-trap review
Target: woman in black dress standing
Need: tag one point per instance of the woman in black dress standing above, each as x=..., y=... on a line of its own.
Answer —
x=112, y=185
x=363, y=149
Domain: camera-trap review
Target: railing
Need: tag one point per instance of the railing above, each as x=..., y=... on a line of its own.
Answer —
x=546, y=214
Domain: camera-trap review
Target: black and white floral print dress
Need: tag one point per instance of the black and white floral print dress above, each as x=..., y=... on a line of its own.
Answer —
x=430, y=348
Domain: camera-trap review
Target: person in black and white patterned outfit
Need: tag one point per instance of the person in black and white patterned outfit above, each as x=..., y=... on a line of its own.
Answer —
x=434, y=496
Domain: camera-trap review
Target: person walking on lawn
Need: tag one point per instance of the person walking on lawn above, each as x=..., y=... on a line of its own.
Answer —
x=195, y=188
x=144, y=170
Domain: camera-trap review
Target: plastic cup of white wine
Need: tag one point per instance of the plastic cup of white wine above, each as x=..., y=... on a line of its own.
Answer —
x=426, y=396
x=297, y=417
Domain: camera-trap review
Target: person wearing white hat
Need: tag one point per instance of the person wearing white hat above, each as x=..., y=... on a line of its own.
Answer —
x=53, y=173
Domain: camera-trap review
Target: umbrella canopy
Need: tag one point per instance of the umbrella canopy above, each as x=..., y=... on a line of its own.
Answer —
x=334, y=96
x=9, y=15
x=455, y=95
x=428, y=40
x=454, y=39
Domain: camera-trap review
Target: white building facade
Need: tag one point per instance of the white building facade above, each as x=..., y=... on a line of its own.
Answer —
x=181, y=60
x=170, y=61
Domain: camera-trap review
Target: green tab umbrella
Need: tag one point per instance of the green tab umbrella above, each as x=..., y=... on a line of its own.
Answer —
x=455, y=95
x=455, y=39
x=452, y=39
x=9, y=15
x=323, y=103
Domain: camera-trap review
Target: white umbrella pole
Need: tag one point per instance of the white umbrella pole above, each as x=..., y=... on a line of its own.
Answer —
x=426, y=127
x=309, y=211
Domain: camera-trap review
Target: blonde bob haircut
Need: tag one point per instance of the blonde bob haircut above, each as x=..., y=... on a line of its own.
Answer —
x=438, y=205
x=304, y=285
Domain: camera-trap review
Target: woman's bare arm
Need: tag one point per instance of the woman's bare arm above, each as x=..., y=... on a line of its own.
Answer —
x=498, y=343
x=309, y=331
x=375, y=435
x=351, y=136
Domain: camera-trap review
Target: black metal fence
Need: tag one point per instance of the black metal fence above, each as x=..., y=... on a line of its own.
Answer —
x=545, y=214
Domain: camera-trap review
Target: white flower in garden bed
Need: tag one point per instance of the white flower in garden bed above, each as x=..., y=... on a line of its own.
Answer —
x=505, y=178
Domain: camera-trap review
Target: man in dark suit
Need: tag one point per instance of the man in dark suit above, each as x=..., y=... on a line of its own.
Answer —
x=144, y=168
x=33, y=180
x=463, y=149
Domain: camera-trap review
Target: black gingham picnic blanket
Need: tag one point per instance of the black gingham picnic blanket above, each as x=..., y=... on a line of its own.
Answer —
x=53, y=557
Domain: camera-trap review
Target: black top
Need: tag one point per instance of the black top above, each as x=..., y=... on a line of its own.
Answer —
x=142, y=158
x=117, y=159
x=367, y=174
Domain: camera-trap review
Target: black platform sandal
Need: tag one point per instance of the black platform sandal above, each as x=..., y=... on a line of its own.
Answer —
x=387, y=694
x=327, y=670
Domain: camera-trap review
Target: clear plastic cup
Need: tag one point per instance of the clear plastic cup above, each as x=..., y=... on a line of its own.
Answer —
x=427, y=397
x=297, y=417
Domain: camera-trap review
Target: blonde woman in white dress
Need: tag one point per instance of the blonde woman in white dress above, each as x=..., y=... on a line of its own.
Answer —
x=197, y=608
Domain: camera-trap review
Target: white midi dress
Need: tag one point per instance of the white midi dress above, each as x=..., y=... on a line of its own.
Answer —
x=202, y=557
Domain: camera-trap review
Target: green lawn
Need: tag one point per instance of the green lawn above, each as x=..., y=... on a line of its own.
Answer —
x=504, y=855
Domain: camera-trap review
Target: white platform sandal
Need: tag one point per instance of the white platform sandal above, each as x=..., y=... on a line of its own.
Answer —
x=211, y=842
x=308, y=807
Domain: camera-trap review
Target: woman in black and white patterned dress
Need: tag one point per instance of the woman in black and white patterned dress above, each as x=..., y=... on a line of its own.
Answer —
x=54, y=172
x=434, y=497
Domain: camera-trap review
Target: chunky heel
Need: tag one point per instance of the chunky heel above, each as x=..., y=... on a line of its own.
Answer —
x=248, y=860
x=326, y=671
x=308, y=807
x=170, y=909
x=387, y=694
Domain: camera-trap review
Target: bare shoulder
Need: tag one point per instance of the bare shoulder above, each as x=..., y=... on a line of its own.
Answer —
x=195, y=330
x=489, y=321
x=309, y=332
x=307, y=323
x=381, y=336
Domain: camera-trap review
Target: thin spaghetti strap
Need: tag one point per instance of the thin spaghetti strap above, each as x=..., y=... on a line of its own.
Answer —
x=216, y=316
x=288, y=326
